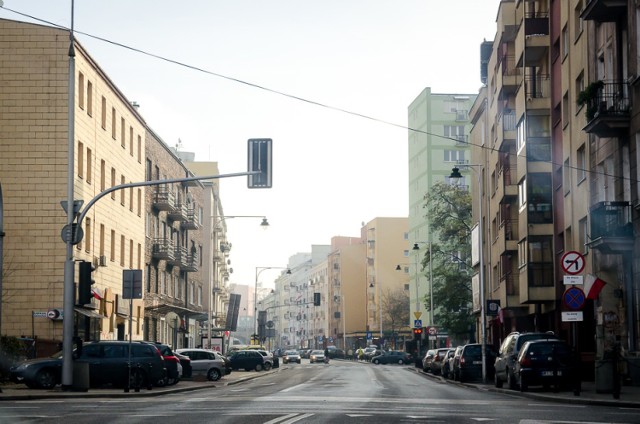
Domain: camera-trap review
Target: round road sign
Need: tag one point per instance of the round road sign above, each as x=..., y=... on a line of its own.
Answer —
x=572, y=262
x=573, y=298
x=433, y=331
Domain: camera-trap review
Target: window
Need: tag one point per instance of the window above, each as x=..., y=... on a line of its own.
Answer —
x=81, y=90
x=565, y=42
x=581, y=164
x=113, y=182
x=540, y=265
x=522, y=194
x=577, y=21
x=139, y=149
x=454, y=155
x=130, y=140
x=583, y=236
x=122, y=133
x=130, y=199
x=455, y=131
x=89, y=167
x=139, y=256
x=149, y=176
x=122, y=181
x=579, y=87
x=539, y=198
x=102, y=235
x=520, y=135
x=103, y=113
x=140, y=202
x=122, y=246
x=566, y=177
x=80, y=160
x=89, y=98
x=87, y=234
x=102, y=175
x=131, y=146
x=565, y=109
x=113, y=123
x=522, y=253
x=130, y=253
x=112, y=250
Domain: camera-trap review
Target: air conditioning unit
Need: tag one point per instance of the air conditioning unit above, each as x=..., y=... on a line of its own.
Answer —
x=102, y=260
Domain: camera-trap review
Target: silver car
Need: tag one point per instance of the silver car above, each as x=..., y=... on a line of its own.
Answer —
x=291, y=356
x=316, y=356
x=204, y=362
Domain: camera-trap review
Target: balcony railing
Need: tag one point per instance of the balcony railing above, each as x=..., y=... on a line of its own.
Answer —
x=163, y=248
x=179, y=213
x=164, y=200
x=611, y=227
x=191, y=263
x=607, y=108
x=192, y=222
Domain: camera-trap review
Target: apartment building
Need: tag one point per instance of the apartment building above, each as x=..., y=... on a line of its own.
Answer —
x=556, y=140
x=108, y=150
x=438, y=139
x=175, y=289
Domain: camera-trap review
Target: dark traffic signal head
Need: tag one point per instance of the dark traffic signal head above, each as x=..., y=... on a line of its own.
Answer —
x=85, y=281
x=417, y=333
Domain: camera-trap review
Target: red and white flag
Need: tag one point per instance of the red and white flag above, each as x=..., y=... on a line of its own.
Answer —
x=593, y=286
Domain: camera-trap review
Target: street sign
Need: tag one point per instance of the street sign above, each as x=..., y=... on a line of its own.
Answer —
x=573, y=316
x=572, y=280
x=417, y=314
x=132, y=284
x=417, y=323
x=433, y=331
x=369, y=335
x=572, y=262
x=573, y=298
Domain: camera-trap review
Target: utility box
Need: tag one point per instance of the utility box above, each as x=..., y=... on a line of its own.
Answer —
x=81, y=379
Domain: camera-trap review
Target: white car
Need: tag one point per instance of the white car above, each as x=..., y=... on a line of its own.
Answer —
x=291, y=356
x=316, y=356
x=204, y=362
x=268, y=359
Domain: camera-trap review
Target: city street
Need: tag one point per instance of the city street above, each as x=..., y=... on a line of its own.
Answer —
x=339, y=392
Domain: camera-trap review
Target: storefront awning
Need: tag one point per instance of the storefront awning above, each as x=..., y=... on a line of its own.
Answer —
x=88, y=313
x=178, y=310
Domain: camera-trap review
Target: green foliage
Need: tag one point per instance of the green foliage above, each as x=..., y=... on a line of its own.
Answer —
x=588, y=97
x=10, y=351
x=449, y=211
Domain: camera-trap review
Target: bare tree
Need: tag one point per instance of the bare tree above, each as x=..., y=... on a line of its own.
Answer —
x=395, y=309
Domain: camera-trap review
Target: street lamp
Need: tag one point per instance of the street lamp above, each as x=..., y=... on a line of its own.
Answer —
x=259, y=270
x=220, y=219
x=455, y=173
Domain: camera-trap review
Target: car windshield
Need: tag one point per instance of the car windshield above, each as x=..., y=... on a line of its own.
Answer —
x=317, y=352
x=291, y=352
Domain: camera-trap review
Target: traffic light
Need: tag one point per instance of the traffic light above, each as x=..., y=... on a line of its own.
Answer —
x=417, y=333
x=85, y=281
x=316, y=299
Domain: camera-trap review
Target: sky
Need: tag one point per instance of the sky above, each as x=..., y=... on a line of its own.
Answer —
x=329, y=81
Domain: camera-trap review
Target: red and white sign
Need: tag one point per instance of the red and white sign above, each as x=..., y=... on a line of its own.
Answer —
x=572, y=262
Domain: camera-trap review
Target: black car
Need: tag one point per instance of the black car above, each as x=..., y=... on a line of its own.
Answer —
x=469, y=364
x=171, y=361
x=392, y=357
x=505, y=361
x=247, y=360
x=336, y=353
x=546, y=363
x=107, y=363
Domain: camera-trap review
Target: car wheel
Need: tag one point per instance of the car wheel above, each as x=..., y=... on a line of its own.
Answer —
x=511, y=381
x=46, y=379
x=247, y=369
x=259, y=367
x=375, y=361
x=497, y=381
x=214, y=374
x=267, y=366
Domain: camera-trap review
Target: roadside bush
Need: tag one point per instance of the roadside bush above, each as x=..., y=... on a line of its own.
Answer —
x=11, y=349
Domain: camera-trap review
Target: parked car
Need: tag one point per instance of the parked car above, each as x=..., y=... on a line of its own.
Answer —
x=371, y=351
x=426, y=360
x=171, y=361
x=392, y=357
x=435, y=365
x=204, y=362
x=316, y=356
x=469, y=364
x=454, y=360
x=336, y=353
x=108, y=365
x=185, y=361
x=269, y=360
x=546, y=363
x=291, y=356
x=446, y=363
x=247, y=360
x=508, y=353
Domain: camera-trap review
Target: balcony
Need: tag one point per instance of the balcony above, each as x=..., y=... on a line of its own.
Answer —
x=191, y=262
x=605, y=10
x=532, y=41
x=611, y=227
x=163, y=249
x=607, y=108
x=509, y=75
x=192, y=222
x=164, y=200
x=180, y=255
x=179, y=213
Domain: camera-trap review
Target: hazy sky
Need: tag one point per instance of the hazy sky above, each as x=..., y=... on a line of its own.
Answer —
x=300, y=72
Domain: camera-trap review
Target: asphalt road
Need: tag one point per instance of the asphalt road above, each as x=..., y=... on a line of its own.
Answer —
x=341, y=392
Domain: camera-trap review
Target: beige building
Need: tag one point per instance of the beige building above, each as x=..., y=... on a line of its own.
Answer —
x=109, y=145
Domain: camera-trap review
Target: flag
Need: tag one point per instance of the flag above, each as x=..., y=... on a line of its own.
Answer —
x=96, y=293
x=593, y=286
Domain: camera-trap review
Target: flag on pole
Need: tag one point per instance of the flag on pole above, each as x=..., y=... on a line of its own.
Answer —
x=593, y=286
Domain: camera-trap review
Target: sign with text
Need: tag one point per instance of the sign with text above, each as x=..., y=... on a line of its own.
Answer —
x=572, y=316
x=573, y=280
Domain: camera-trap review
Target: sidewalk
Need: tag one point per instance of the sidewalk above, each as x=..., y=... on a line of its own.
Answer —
x=11, y=391
x=629, y=395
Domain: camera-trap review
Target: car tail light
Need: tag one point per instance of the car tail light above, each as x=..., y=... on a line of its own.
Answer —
x=171, y=359
x=462, y=361
x=525, y=361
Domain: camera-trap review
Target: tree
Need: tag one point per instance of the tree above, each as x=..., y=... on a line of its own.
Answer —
x=449, y=210
x=395, y=309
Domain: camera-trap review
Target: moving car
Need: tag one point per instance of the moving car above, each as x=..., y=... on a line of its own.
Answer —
x=508, y=353
x=247, y=360
x=546, y=363
x=291, y=356
x=316, y=356
x=108, y=365
x=336, y=353
x=204, y=362
x=392, y=357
